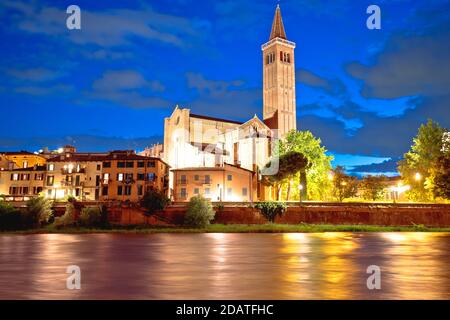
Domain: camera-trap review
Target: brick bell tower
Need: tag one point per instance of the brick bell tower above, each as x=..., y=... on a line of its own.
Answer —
x=279, y=79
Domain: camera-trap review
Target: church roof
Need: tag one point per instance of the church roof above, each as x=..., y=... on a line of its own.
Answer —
x=277, y=26
x=192, y=115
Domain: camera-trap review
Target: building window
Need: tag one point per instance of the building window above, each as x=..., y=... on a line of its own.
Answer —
x=127, y=190
x=244, y=192
x=196, y=191
x=130, y=164
x=141, y=164
x=120, y=177
x=183, y=179
x=121, y=164
x=229, y=177
x=99, y=167
x=105, y=191
x=38, y=176
x=25, y=177
x=119, y=190
x=105, y=178
x=140, y=176
x=50, y=180
x=196, y=177
x=151, y=164
x=25, y=164
x=77, y=181
x=140, y=190
x=15, y=177
x=288, y=58
x=229, y=192
x=207, y=179
x=128, y=177
x=49, y=192
x=183, y=193
x=51, y=167
x=151, y=176
x=107, y=164
x=207, y=191
x=25, y=190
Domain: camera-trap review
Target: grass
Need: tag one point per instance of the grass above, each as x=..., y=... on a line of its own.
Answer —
x=238, y=228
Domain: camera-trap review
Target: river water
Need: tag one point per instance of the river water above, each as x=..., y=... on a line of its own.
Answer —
x=226, y=266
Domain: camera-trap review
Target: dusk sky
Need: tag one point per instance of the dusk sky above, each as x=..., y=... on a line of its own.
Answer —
x=110, y=85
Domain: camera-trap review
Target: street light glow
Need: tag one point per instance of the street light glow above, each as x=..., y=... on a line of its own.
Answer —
x=418, y=176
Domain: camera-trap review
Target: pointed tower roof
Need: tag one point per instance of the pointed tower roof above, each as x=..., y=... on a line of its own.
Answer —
x=277, y=26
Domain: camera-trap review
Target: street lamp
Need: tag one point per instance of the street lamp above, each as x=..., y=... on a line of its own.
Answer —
x=418, y=176
x=300, y=187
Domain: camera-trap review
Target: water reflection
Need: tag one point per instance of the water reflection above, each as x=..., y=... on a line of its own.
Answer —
x=226, y=266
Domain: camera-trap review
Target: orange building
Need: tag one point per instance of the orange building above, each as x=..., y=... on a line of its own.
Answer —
x=228, y=183
x=127, y=176
x=20, y=159
x=23, y=183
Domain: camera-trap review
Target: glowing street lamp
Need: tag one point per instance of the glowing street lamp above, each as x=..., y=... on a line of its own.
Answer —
x=418, y=176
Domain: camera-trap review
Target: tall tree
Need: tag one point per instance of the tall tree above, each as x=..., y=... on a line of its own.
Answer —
x=289, y=165
x=344, y=186
x=373, y=187
x=314, y=179
x=442, y=177
x=417, y=165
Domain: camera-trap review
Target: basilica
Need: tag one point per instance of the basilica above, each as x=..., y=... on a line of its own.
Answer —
x=221, y=159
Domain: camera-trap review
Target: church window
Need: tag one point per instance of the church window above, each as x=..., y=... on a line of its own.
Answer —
x=281, y=55
x=288, y=58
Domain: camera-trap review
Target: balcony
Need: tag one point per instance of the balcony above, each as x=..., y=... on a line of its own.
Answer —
x=73, y=170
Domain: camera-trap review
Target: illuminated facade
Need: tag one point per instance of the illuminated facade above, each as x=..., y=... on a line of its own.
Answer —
x=22, y=183
x=21, y=159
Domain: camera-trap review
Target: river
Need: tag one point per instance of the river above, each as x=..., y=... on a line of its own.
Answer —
x=226, y=266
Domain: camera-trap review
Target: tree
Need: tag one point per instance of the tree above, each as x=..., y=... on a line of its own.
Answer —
x=10, y=217
x=442, y=177
x=90, y=216
x=38, y=212
x=316, y=184
x=420, y=160
x=199, y=212
x=154, y=200
x=270, y=210
x=373, y=187
x=289, y=164
x=344, y=186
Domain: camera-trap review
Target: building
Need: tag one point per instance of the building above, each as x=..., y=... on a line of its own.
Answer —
x=74, y=174
x=21, y=159
x=198, y=143
x=221, y=183
x=22, y=183
x=279, y=102
x=127, y=176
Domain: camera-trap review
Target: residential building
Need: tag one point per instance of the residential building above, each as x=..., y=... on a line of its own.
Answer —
x=20, y=159
x=220, y=183
x=127, y=176
x=22, y=183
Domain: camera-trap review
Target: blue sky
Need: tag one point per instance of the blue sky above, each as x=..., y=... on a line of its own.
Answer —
x=110, y=84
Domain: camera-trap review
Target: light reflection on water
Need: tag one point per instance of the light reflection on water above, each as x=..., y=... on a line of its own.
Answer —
x=226, y=266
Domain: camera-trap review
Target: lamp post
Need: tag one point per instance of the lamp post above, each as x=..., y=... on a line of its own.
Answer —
x=300, y=187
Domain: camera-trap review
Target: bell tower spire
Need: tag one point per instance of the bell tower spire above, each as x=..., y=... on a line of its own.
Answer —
x=279, y=79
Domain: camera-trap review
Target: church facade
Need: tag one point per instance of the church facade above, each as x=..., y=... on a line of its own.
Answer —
x=220, y=159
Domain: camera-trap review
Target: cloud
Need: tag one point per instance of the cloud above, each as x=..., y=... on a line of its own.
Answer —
x=333, y=87
x=417, y=65
x=128, y=88
x=385, y=166
x=44, y=89
x=231, y=99
x=112, y=27
x=35, y=74
x=84, y=143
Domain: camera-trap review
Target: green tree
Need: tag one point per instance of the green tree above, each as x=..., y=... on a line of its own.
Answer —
x=373, y=187
x=154, y=200
x=442, y=177
x=344, y=186
x=199, y=213
x=316, y=184
x=289, y=165
x=10, y=217
x=270, y=210
x=418, y=163
x=91, y=216
x=38, y=212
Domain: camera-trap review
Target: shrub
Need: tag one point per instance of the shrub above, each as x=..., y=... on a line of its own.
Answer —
x=271, y=209
x=199, y=213
x=38, y=212
x=90, y=216
x=219, y=207
x=10, y=217
x=67, y=219
x=154, y=200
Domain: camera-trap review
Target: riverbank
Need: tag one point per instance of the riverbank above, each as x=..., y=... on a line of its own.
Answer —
x=236, y=228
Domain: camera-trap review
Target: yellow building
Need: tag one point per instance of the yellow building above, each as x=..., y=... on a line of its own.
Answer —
x=226, y=183
x=20, y=159
x=23, y=183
